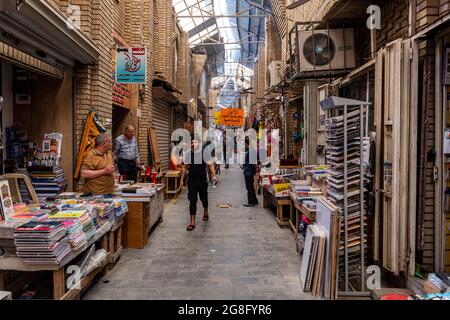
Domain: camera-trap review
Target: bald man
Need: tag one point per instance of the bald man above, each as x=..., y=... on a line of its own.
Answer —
x=127, y=154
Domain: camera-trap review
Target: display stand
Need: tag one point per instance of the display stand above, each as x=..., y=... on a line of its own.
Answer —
x=279, y=204
x=144, y=211
x=173, y=182
x=346, y=189
x=297, y=210
x=115, y=246
x=60, y=291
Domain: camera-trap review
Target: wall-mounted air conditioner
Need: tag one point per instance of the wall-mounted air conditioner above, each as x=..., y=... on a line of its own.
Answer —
x=324, y=50
x=274, y=76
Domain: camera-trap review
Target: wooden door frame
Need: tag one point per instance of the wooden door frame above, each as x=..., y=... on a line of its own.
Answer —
x=440, y=98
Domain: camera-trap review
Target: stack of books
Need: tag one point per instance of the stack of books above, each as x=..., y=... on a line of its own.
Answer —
x=79, y=225
x=306, y=191
x=47, y=181
x=41, y=242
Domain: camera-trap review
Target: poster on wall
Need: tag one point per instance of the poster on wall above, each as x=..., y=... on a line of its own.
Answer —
x=131, y=65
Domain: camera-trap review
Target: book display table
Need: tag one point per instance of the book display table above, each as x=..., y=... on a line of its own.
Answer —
x=145, y=209
x=115, y=246
x=173, y=182
x=280, y=204
x=296, y=211
x=60, y=289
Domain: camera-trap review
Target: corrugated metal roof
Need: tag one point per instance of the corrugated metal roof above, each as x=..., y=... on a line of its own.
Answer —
x=229, y=31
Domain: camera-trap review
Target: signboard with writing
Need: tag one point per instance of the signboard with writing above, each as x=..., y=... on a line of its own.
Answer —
x=121, y=95
x=282, y=189
x=232, y=117
x=121, y=92
x=131, y=65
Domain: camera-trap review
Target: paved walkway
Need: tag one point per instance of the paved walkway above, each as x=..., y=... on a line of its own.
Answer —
x=240, y=253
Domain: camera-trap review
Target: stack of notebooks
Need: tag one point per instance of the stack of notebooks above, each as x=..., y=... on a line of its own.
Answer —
x=47, y=181
x=335, y=186
x=306, y=191
x=104, y=212
x=24, y=212
x=79, y=225
x=41, y=242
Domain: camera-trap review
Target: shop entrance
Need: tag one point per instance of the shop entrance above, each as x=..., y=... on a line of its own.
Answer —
x=120, y=119
x=36, y=105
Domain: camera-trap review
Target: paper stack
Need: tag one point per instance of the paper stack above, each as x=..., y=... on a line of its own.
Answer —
x=41, y=242
x=47, y=181
x=79, y=225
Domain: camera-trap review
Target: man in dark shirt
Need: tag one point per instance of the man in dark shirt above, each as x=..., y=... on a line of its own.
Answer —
x=195, y=165
x=249, y=174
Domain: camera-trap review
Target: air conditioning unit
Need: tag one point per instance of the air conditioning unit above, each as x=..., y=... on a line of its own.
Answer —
x=324, y=50
x=274, y=73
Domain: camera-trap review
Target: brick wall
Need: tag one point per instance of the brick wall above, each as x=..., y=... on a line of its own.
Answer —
x=427, y=12
x=131, y=20
x=183, y=70
x=164, y=26
x=445, y=7
x=273, y=41
x=394, y=22
x=262, y=68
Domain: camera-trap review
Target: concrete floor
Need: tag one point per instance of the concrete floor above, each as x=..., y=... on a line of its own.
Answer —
x=240, y=253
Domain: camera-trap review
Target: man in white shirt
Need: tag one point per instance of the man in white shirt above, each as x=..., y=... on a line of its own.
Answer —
x=127, y=154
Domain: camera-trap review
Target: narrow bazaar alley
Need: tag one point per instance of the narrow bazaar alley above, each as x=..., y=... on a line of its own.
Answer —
x=240, y=253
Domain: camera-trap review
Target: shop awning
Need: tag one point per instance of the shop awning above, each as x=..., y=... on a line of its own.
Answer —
x=42, y=26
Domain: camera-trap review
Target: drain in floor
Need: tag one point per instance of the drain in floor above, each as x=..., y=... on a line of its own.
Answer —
x=224, y=206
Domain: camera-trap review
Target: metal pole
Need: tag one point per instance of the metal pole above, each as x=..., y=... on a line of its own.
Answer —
x=224, y=43
x=361, y=192
x=368, y=106
x=221, y=16
x=345, y=200
x=286, y=124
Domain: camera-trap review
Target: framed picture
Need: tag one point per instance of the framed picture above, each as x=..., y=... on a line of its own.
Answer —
x=46, y=145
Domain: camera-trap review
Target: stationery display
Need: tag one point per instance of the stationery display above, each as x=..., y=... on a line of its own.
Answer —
x=45, y=234
x=345, y=190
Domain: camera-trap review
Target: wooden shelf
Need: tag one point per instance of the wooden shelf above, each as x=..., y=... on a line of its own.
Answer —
x=16, y=263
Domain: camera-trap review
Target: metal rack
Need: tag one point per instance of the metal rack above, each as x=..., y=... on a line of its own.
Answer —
x=338, y=103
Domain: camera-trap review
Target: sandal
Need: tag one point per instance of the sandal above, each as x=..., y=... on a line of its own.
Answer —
x=206, y=217
x=190, y=227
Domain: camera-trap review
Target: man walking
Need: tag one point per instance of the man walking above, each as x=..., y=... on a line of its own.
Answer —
x=195, y=165
x=249, y=174
x=127, y=154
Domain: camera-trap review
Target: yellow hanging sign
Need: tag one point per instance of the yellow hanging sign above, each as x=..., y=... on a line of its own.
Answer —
x=217, y=117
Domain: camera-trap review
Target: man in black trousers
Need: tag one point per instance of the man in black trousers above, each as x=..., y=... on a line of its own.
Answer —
x=249, y=174
x=196, y=166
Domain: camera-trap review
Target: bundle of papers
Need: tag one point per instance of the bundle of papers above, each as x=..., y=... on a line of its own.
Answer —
x=79, y=225
x=41, y=242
